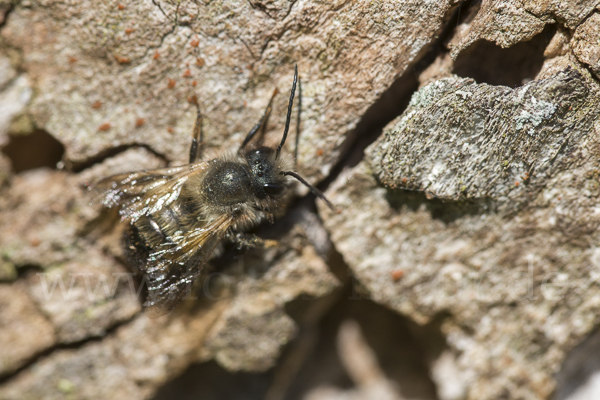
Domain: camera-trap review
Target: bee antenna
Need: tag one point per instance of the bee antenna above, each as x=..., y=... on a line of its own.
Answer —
x=313, y=189
x=298, y=122
x=289, y=113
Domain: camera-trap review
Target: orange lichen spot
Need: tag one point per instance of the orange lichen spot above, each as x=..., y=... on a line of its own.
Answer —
x=516, y=183
x=170, y=130
x=104, y=127
x=194, y=83
x=129, y=30
x=139, y=122
x=320, y=152
x=121, y=7
x=187, y=73
x=122, y=60
x=171, y=83
x=195, y=42
x=97, y=104
x=200, y=62
x=404, y=180
x=156, y=55
x=193, y=99
x=72, y=60
x=397, y=274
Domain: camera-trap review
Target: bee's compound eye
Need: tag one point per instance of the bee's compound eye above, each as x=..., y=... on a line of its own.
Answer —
x=274, y=190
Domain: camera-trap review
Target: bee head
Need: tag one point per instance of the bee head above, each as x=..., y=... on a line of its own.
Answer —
x=266, y=176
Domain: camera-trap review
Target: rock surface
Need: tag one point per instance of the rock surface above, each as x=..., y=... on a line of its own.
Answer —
x=122, y=74
x=586, y=43
x=485, y=198
x=473, y=218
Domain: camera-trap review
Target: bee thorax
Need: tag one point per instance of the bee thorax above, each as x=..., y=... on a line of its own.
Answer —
x=227, y=184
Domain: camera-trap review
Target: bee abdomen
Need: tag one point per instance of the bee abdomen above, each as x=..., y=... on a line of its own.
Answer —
x=136, y=248
x=160, y=226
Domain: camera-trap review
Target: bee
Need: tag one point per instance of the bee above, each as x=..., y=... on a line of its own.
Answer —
x=178, y=215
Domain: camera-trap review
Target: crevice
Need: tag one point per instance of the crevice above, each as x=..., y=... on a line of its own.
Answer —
x=579, y=373
x=247, y=48
x=5, y=378
x=392, y=337
x=257, y=5
x=218, y=383
x=37, y=149
x=466, y=11
x=488, y=63
x=584, y=19
x=289, y=10
x=162, y=40
x=591, y=73
x=5, y=11
x=260, y=7
x=79, y=166
x=461, y=13
x=164, y=13
x=446, y=211
x=174, y=26
x=24, y=270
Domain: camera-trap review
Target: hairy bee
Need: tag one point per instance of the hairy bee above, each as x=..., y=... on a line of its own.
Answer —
x=178, y=215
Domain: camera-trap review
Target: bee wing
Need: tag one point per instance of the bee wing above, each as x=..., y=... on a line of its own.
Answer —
x=174, y=266
x=144, y=192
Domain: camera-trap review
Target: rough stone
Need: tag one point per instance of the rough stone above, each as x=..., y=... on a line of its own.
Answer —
x=127, y=364
x=493, y=232
x=506, y=135
x=15, y=96
x=507, y=22
x=249, y=335
x=586, y=43
x=21, y=338
x=147, y=58
x=84, y=297
x=485, y=198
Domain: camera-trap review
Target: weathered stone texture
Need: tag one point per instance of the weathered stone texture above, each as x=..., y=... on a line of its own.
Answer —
x=477, y=206
x=586, y=43
x=486, y=199
x=507, y=22
x=100, y=74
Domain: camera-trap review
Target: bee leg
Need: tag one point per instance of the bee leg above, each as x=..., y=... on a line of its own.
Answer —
x=250, y=241
x=197, y=138
x=263, y=122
